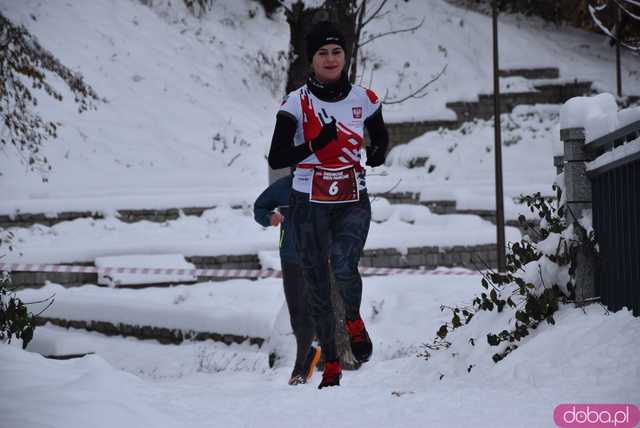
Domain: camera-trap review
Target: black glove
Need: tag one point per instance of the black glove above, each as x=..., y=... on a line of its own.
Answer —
x=327, y=134
x=375, y=156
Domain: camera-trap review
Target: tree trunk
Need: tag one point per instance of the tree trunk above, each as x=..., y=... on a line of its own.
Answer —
x=301, y=19
x=343, y=346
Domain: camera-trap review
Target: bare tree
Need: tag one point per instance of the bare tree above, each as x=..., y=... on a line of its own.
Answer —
x=418, y=93
x=301, y=18
x=352, y=17
x=23, y=60
x=617, y=19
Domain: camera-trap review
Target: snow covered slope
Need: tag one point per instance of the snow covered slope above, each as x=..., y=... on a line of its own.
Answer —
x=190, y=103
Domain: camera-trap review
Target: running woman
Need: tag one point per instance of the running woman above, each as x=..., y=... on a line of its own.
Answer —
x=319, y=130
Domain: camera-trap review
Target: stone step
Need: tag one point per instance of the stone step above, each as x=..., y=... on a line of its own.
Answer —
x=126, y=216
x=402, y=133
x=416, y=257
x=551, y=93
x=450, y=207
x=162, y=335
x=545, y=93
x=531, y=73
x=436, y=207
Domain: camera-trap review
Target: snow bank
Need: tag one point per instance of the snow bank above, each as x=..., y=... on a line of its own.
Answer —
x=598, y=115
x=381, y=209
x=240, y=307
x=167, y=261
x=74, y=394
x=149, y=359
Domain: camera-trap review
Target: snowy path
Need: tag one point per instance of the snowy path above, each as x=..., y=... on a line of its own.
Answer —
x=587, y=357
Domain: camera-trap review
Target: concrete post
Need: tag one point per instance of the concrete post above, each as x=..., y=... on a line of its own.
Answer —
x=579, y=200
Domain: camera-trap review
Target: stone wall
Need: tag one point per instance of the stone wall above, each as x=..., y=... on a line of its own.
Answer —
x=531, y=73
x=28, y=220
x=403, y=132
x=127, y=216
x=432, y=257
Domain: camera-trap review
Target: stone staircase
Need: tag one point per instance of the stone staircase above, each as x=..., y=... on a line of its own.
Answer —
x=546, y=91
x=400, y=133
x=470, y=257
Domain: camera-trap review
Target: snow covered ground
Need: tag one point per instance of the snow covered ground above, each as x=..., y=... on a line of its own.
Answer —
x=589, y=356
x=188, y=116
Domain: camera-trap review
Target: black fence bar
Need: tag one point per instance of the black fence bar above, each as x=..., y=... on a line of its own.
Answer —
x=616, y=221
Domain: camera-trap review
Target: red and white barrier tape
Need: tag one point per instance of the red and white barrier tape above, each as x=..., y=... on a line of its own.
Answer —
x=216, y=273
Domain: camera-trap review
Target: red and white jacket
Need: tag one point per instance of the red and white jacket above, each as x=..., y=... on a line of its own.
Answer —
x=311, y=112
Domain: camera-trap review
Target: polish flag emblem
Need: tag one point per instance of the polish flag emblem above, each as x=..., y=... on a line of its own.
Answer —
x=357, y=112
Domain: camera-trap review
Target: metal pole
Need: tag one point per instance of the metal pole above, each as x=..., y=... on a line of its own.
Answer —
x=498, y=145
x=618, y=67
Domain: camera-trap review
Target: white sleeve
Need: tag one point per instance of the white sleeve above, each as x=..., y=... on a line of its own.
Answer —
x=372, y=103
x=291, y=106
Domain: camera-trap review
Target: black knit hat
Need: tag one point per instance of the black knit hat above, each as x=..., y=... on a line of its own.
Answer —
x=323, y=33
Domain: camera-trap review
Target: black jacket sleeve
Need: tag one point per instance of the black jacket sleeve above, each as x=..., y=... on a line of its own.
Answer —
x=378, y=134
x=263, y=207
x=283, y=153
x=276, y=195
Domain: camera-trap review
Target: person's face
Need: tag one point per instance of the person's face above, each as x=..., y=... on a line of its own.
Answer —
x=328, y=62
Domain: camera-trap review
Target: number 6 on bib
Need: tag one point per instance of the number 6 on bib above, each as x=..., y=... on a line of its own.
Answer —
x=334, y=185
x=333, y=189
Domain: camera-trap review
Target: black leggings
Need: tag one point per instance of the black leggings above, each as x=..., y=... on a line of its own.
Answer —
x=335, y=232
x=295, y=291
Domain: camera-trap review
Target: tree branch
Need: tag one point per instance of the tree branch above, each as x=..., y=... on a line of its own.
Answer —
x=633, y=2
x=374, y=14
x=45, y=308
x=605, y=30
x=627, y=11
x=388, y=33
x=353, y=68
x=415, y=93
x=287, y=9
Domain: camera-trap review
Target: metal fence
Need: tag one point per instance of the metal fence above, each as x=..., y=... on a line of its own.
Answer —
x=616, y=221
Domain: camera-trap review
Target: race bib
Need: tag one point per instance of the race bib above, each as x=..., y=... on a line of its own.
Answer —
x=334, y=185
